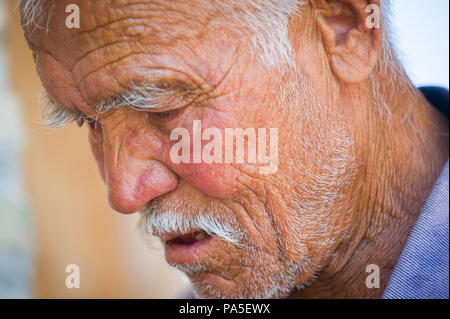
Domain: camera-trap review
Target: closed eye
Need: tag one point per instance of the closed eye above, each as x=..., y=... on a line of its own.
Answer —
x=166, y=115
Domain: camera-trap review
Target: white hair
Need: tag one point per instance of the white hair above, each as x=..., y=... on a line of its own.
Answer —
x=266, y=23
x=33, y=11
x=160, y=217
x=55, y=116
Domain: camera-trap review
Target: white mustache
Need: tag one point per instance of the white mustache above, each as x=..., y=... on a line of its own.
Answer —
x=158, y=219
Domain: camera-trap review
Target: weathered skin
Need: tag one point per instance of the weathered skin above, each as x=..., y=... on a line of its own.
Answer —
x=124, y=42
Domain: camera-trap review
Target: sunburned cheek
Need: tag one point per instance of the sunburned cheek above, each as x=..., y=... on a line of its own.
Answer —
x=216, y=180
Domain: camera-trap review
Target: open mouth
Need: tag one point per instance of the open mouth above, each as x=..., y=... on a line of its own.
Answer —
x=188, y=239
x=190, y=248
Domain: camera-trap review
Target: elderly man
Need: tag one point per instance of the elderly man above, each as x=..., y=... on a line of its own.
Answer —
x=344, y=197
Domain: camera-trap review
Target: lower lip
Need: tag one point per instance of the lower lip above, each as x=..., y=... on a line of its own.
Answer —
x=187, y=253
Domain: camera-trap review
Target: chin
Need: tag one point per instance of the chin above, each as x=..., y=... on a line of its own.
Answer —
x=248, y=285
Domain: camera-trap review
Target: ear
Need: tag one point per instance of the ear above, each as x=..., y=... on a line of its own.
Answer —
x=352, y=36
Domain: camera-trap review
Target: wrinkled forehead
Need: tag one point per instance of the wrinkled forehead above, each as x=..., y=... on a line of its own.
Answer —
x=153, y=24
x=119, y=41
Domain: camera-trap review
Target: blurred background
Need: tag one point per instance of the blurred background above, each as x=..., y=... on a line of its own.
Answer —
x=53, y=209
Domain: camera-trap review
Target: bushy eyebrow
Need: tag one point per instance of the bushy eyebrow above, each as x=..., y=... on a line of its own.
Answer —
x=143, y=96
x=56, y=116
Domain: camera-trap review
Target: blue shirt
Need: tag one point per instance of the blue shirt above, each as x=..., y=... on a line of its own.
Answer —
x=422, y=269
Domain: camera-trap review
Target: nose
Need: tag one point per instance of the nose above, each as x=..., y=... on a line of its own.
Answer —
x=132, y=174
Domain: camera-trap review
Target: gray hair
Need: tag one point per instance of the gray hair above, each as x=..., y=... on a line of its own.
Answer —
x=33, y=11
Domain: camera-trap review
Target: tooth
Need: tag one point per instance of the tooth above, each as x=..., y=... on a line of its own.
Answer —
x=200, y=235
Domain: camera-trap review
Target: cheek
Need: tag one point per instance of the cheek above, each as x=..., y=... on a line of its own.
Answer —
x=216, y=180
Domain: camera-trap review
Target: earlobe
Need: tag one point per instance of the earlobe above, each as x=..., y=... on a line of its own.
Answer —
x=352, y=45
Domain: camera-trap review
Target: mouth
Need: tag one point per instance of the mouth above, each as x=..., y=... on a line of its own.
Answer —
x=186, y=248
x=186, y=239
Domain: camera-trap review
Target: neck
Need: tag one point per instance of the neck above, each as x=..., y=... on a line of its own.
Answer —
x=402, y=155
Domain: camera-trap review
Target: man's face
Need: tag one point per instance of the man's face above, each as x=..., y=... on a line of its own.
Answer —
x=266, y=233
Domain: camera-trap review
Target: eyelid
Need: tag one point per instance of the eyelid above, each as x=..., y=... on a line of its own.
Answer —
x=156, y=97
x=173, y=103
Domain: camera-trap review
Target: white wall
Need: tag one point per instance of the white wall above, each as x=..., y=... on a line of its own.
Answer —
x=422, y=36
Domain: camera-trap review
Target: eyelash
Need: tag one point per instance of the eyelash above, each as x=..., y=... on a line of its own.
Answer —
x=90, y=122
x=158, y=116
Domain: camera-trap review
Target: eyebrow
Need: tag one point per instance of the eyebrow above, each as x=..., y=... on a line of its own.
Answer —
x=56, y=116
x=143, y=96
